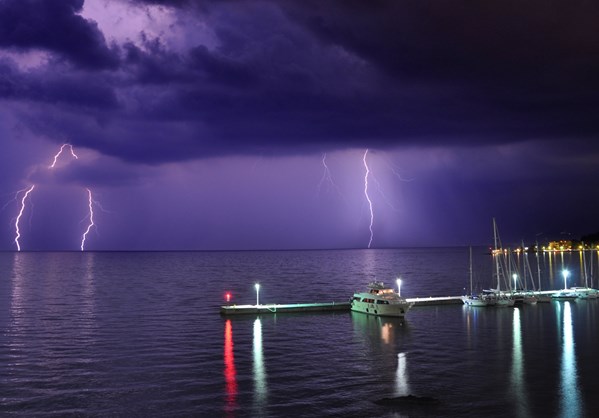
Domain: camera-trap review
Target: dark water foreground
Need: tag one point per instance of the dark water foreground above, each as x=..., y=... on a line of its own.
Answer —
x=139, y=334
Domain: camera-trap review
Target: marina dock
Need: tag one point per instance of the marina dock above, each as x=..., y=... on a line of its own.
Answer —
x=284, y=308
x=324, y=307
x=274, y=308
x=442, y=300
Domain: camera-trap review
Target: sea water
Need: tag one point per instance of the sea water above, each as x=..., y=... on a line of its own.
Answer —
x=140, y=334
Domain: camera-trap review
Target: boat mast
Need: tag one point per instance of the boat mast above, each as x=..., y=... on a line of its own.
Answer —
x=496, y=254
x=591, y=268
x=525, y=268
x=470, y=270
x=538, y=267
x=584, y=267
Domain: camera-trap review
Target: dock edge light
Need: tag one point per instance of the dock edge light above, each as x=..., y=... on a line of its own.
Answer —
x=257, y=286
x=566, y=273
x=515, y=277
x=398, y=281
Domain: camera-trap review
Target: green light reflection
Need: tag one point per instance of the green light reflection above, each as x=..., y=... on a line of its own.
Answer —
x=570, y=399
x=260, y=387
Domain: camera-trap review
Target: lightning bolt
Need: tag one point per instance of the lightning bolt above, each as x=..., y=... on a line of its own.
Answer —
x=28, y=191
x=23, y=200
x=327, y=177
x=379, y=188
x=90, y=216
x=368, y=197
x=60, y=152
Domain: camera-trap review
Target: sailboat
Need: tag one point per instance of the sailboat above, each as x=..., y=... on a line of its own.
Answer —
x=528, y=296
x=585, y=292
x=476, y=300
x=502, y=299
x=540, y=296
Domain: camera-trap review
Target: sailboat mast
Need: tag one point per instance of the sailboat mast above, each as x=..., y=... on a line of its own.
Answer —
x=591, y=266
x=470, y=270
x=584, y=267
x=538, y=267
x=496, y=254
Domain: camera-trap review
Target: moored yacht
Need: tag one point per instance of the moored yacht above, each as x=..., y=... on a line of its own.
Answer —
x=480, y=300
x=584, y=292
x=380, y=300
x=564, y=295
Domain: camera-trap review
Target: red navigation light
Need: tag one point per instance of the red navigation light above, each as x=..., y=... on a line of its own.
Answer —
x=228, y=296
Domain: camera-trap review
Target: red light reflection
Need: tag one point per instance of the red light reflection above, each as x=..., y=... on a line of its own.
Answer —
x=230, y=372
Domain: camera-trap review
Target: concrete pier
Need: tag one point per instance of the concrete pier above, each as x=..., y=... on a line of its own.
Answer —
x=324, y=307
x=338, y=306
x=442, y=300
x=285, y=308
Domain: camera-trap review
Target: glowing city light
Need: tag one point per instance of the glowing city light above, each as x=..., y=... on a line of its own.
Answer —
x=60, y=152
x=17, y=230
x=91, y=218
x=368, y=197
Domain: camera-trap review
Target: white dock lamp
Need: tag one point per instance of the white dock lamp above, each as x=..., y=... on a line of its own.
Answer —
x=398, y=286
x=566, y=273
x=257, y=286
x=515, y=276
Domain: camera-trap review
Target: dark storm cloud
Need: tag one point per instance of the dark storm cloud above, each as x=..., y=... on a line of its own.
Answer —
x=532, y=63
x=53, y=25
x=77, y=90
x=299, y=76
x=449, y=70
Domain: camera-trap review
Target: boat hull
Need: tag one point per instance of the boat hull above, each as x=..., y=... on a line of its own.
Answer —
x=505, y=302
x=476, y=302
x=397, y=310
x=563, y=296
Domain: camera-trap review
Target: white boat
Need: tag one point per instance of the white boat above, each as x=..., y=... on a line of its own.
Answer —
x=381, y=301
x=478, y=300
x=564, y=295
x=584, y=292
x=543, y=298
x=504, y=299
x=525, y=297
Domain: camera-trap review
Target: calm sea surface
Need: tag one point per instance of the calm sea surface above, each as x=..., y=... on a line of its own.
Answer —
x=139, y=334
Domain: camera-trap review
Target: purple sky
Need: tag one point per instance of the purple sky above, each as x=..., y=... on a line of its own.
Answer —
x=203, y=124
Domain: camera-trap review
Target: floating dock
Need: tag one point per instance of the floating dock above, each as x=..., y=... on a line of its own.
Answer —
x=339, y=306
x=325, y=307
x=285, y=308
x=434, y=300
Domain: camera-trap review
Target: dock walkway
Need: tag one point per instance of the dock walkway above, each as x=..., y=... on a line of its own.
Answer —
x=325, y=306
x=284, y=308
